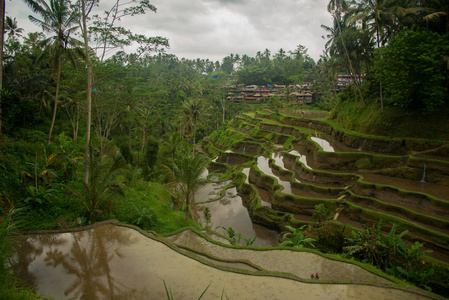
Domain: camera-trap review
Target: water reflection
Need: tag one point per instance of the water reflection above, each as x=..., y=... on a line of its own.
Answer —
x=74, y=264
x=229, y=211
x=301, y=158
x=279, y=159
x=263, y=165
x=325, y=145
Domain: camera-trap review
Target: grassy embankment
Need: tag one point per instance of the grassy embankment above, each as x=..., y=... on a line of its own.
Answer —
x=392, y=121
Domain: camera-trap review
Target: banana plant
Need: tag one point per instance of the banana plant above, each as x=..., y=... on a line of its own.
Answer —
x=296, y=238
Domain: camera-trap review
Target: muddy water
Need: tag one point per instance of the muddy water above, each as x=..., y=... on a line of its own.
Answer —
x=263, y=165
x=302, y=158
x=278, y=158
x=229, y=211
x=262, y=193
x=111, y=262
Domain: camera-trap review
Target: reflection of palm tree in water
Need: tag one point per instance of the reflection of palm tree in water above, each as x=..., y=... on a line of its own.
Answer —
x=85, y=256
x=89, y=260
x=26, y=252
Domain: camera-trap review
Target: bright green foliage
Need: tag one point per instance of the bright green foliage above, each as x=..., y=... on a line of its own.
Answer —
x=237, y=237
x=148, y=205
x=390, y=253
x=413, y=70
x=249, y=241
x=232, y=234
x=296, y=238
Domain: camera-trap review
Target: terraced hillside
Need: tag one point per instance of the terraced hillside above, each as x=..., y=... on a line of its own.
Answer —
x=304, y=162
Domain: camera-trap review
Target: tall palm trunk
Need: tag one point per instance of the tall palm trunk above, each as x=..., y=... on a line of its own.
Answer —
x=55, y=107
x=380, y=82
x=89, y=92
x=351, y=68
x=194, y=135
x=2, y=28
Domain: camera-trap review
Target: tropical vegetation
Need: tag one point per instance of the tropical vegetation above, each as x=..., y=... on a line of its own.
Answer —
x=89, y=132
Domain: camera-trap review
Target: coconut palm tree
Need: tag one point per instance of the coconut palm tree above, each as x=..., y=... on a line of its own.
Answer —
x=60, y=21
x=12, y=28
x=438, y=12
x=382, y=18
x=105, y=182
x=188, y=175
x=336, y=8
x=193, y=110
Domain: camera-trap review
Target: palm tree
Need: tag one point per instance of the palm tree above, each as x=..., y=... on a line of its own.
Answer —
x=2, y=29
x=12, y=28
x=59, y=20
x=336, y=7
x=104, y=184
x=193, y=110
x=172, y=145
x=439, y=13
x=188, y=176
x=382, y=18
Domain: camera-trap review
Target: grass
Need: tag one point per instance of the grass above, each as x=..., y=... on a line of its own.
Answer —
x=152, y=203
x=393, y=121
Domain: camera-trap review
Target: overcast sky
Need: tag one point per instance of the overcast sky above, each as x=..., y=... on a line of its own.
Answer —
x=216, y=28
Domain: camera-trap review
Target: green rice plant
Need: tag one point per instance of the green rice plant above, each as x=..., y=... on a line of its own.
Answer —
x=249, y=241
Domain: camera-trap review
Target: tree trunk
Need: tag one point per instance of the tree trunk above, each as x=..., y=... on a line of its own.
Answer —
x=55, y=107
x=75, y=135
x=351, y=68
x=223, y=105
x=2, y=28
x=194, y=136
x=380, y=81
x=89, y=92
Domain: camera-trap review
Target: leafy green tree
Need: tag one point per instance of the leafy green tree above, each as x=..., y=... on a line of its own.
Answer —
x=382, y=18
x=60, y=19
x=390, y=253
x=413, y=67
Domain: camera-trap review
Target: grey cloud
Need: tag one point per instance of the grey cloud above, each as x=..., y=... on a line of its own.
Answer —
x=215, y=28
